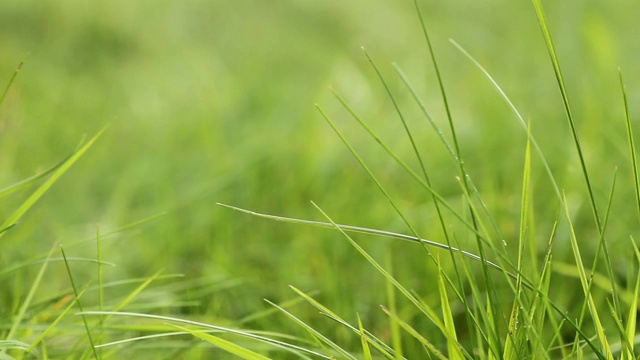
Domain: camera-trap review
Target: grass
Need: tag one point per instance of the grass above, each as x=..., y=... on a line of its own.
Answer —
x=504, y=158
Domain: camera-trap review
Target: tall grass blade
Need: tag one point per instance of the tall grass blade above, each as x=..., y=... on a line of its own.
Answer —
x=544, y=27
x=75, y=291
x=593, y=309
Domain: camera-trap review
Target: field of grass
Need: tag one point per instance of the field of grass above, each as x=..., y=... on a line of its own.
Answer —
x=128, y=123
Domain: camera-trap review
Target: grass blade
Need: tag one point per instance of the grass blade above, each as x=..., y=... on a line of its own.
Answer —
x=225, y=345
x=47, y=184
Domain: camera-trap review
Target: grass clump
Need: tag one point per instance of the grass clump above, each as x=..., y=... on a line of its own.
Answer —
x=514, y=246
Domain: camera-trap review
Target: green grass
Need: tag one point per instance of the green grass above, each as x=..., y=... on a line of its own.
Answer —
x=497, y=140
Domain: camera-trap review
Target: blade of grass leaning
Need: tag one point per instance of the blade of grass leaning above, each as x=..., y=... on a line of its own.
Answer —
x=75, y=291
x=432, y=349
x=436, y=198
x=632, y=145
x=15, y=267
x=493, y=301
x=27, y=301
x=427, y=311
x=249, y=335
x=602, y=250
x=524, y=124
x=404, y=165
x=13, y=218
x=363, y=230
x=422, y=168
x=32, y=179
x=55, y=322
x=262, y=314
x=625, y=346
x=544, y=27
x=546, y=33
x=593, y=309
x=378, y=344
x=426, y=182
x=225, y=345
x=13, y=78
x=316, y=335
x=366, y=352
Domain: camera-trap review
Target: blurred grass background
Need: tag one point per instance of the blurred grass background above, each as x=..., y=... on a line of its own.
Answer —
x=213, y=101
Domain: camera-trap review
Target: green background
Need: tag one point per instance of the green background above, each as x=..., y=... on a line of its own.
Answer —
x=214, y=101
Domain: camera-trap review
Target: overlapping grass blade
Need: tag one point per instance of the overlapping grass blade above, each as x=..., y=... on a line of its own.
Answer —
x=246, y=334
x=32, y=179
x=427, y=311
x=225, y=345
x=55, y=322
x=432, y=349
x=29, y=298
x=26, y=205
x=378, y=344
x=366, y=351
x=605, y=353
x=316, y=335
x=363, y=230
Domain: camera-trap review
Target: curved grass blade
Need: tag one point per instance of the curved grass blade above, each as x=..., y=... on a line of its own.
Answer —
x=530, y=136
x=50, y=181
x=225, y=345
x=363, y=230
x=32, y=179
x=245, y=334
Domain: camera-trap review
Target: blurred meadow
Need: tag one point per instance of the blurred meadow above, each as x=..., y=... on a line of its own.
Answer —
x=215, y=102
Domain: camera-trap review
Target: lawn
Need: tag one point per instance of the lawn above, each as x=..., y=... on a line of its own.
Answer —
x=129, y=123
